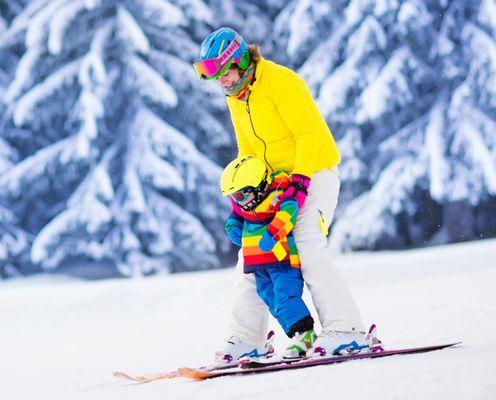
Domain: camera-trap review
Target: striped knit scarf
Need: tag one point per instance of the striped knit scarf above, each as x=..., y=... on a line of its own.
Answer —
x=240, y=89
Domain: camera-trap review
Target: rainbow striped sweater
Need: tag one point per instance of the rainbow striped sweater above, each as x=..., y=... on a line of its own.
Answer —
x=273, y=215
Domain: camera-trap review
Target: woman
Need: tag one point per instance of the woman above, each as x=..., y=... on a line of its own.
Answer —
x=276, y=120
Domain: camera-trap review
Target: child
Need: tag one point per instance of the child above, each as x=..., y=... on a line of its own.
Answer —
x=261, y=224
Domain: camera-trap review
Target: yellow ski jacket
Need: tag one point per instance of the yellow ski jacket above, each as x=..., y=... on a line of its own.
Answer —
x=280, y=122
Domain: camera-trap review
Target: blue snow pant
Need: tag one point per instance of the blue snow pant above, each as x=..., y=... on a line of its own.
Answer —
x=281, y=289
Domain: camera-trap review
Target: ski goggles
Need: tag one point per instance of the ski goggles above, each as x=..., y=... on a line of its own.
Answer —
x=212, y=67
x=242, y=195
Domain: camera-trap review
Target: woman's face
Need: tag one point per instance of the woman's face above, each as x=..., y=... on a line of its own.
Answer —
x=230, y=78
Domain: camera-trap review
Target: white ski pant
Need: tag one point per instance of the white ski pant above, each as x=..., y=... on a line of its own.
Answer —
x=330, y=293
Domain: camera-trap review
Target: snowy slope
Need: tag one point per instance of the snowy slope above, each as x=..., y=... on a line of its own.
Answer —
x=61, y=339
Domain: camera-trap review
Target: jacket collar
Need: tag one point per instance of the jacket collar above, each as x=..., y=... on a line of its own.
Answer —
x=258, y=74
x=252, y=86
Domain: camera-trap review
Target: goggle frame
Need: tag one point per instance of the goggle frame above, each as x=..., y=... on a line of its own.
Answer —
x=216, y=66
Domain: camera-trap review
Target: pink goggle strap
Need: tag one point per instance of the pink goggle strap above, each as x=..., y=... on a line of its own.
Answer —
x=230, y=50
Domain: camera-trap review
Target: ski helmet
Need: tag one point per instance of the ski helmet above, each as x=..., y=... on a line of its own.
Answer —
x=244, y=176
x=219, y=51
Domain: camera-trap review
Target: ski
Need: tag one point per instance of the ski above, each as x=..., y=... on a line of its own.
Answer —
x=251, y=367
x=176, y=373
x=168, y=375
x=146, y=378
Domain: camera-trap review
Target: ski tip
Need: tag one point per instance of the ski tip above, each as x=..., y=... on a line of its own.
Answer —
x=123, y=375
x=452, y=344
x=194, y=373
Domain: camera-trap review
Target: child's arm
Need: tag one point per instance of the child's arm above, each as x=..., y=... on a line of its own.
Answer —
x=234, y=228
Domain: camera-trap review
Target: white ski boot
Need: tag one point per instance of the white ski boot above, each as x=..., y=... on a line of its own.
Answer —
x=338, y=343
x=234, y=349
x=300, y=344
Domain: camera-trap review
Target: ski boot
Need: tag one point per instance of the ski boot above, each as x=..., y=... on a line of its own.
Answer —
x=235, y=349
x=342, y=343
x=338, y=343
x=299, y=345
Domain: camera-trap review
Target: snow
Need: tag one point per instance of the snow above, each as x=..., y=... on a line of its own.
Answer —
x=356, y=9
x=385, y=200
x=197, y=10
x=134, y=198
x=21, y=22
x=369, y=37
x=45, y=250
x=160, y=173
x=61, y=338
x=3, y=24
x=23, y=73
x=487, y=14
x=97, y=185
x=131, y=32
x=7, y=156
x=434, y=143
x=24, y=111
x=322, y=60
x=86, y=212
x=335, y=89
x=302, y=21
x=385, y=6
x=480, y=40
x=32, y=168
x=59, y=23
x=350, y=144
x=83, y=69
x=37, y=30
x=162, y=13
x=149, y=84
x=362, y=45
x=389, y=86
x=479, y=153
x=412, y=16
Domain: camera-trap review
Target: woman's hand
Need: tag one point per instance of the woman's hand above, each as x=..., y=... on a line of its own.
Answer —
x=297, y=189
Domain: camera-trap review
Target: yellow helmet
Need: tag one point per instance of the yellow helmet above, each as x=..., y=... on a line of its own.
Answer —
x=243, y=172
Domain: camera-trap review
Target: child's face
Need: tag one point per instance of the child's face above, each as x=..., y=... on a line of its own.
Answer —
x=243, y=197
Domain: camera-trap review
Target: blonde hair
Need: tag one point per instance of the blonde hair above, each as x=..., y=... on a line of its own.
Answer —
x=254, y=52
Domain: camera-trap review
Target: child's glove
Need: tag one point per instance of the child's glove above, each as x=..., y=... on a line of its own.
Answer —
x=297, y=189
x=234, y=234
x=267, y=242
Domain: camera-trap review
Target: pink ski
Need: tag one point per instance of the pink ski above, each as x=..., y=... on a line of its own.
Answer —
x=251, y=367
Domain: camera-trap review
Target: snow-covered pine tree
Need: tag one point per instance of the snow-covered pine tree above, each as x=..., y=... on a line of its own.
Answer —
x=13, y=239
x=253, y=19
x=408, y=87
x=103, y=161
x=88, y=89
